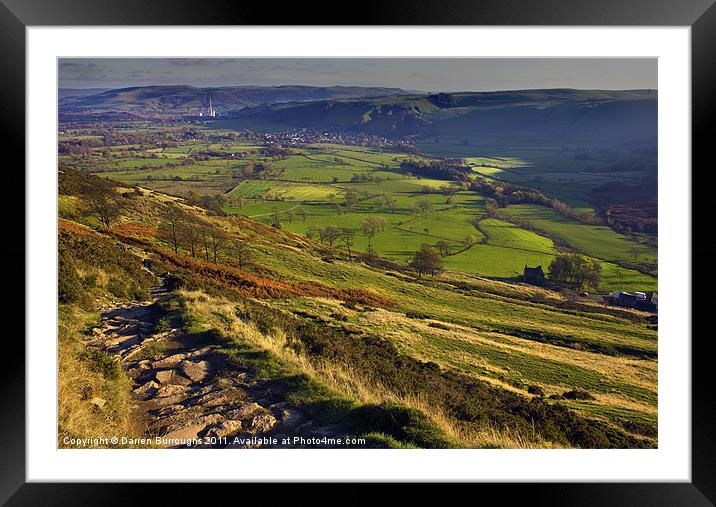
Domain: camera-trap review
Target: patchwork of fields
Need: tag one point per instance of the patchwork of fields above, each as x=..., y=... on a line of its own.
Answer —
x=308, y=191
x=566, y=174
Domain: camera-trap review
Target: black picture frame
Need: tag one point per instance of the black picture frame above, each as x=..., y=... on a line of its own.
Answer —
x=700, y=15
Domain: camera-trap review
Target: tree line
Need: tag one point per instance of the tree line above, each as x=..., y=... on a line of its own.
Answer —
x=199, y=238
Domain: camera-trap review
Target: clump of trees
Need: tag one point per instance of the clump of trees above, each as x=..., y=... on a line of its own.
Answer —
x=213, y=203
x=452, y=169
x=575, y=270
x=389, y=202
x=329, y=234
x=365, y=178
x=443, y=247
x=427, y=260
x=422, y=207
x=333, y=235
x=182, y=230
x=501, y=194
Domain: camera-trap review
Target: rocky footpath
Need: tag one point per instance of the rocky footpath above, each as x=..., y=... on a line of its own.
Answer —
x=188, y=396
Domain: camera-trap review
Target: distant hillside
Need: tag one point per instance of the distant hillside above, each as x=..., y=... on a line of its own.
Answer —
x=182, y=99
x=557, y=114
x=66, y=93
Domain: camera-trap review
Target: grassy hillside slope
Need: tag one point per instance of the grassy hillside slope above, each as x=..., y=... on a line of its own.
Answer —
x=185, y=98
x=545, y=115
x=485, y=363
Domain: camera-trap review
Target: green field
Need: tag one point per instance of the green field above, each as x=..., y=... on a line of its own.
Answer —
x=317, y=179
x=598, y=241
x=502, y=249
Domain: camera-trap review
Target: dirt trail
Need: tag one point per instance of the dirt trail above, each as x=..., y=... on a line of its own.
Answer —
x=185, y=392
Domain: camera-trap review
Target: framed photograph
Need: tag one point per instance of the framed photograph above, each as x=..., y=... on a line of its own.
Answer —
x=449, y=243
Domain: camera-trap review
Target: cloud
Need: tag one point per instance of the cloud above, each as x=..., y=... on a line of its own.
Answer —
x=200, y=61
x=447, y=74
x=78, y=66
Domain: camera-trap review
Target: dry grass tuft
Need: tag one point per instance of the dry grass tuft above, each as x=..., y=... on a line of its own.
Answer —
x=220, y=314
x=84, y=375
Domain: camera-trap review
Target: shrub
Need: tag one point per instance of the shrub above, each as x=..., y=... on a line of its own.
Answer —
x=162, y=325
x=90, y=281
x=69, y=284
x=536, y=390
x=576, y=394
x=103, y=364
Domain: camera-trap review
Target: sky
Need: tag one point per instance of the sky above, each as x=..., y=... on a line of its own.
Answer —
x=429, y=75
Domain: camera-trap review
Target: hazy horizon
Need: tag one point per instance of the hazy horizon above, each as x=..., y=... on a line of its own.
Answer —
x=411, y=74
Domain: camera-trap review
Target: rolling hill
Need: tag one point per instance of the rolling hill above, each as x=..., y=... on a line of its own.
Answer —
x=563, y=115
x=184, y=98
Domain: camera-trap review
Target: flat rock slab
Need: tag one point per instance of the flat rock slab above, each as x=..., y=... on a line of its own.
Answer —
x=171, y=409
x=184, y=433
x=170, y=390
x=147, y=390
x=225, y=428
x=199, y=352
x=245, y=411
x=196, y=371
x=125, y=344
x=190, y=429
x=171, y=377
x=226, y=396
x=169, y=361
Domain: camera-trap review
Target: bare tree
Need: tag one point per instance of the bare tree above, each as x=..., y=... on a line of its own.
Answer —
x=635, y=252
x=423, y=206
x=205, y=235
x=443, y=247
x=390, y=203
x=103, y=203
x=172, y=221
x=371, y=227
x=347, y=238
x=329, y=234
x=243, y=253
x=276, y=218
x=190, y=235
x=217, y=238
